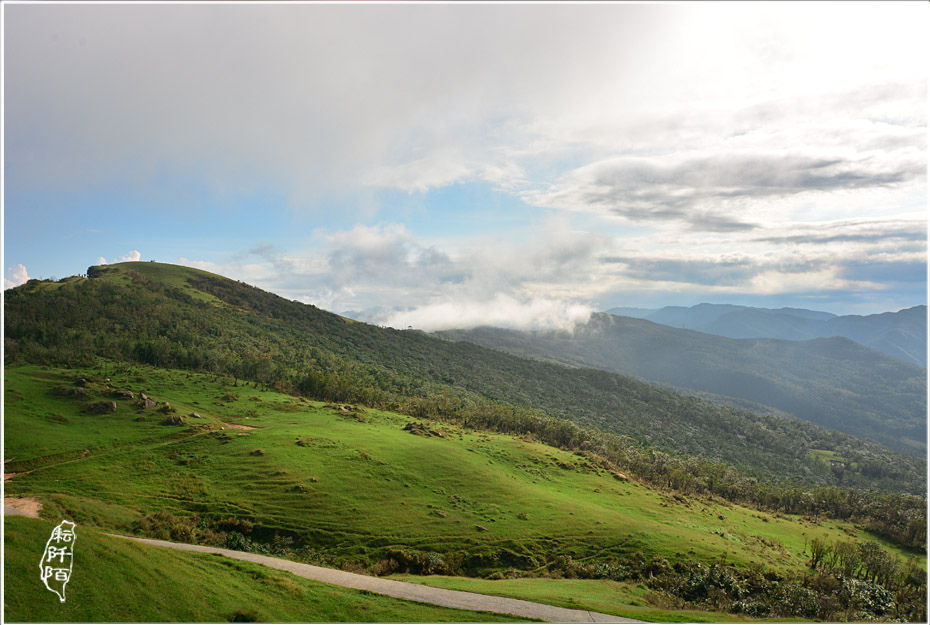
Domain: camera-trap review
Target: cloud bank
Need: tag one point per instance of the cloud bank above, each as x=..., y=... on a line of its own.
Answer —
x=502, y=311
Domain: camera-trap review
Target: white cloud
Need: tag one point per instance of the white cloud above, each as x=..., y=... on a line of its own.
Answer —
x=503, y=311
x=132, y=257
x=16, y=276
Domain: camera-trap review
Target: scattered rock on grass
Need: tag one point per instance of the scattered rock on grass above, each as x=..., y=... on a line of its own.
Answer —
x=100, y=407
x=421, y=429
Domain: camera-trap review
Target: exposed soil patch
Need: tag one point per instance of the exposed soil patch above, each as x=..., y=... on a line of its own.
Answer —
x=26, y=505
x=236, y=426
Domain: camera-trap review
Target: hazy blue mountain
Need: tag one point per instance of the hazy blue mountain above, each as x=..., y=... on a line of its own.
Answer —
x=901, y=335
x=833, y=382
x=636, y=313
x=692, y=317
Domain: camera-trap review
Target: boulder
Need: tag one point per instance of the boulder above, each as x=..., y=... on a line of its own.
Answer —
x=145, y=403
x=100, y=407
x=125, y=394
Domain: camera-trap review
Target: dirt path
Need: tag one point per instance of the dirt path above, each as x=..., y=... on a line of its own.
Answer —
x=236, y=426
x=27, y=506
x=21, y=506
x=407, y=590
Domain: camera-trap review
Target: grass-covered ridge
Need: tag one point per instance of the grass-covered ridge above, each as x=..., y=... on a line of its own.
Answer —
x=367, y=489
x=115, y=580
x=172, y=316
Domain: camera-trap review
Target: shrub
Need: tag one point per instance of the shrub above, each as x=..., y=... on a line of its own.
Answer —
x=244, y=615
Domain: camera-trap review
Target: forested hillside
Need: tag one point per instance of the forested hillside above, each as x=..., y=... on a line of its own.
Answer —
x=833, y=382
x=177, y=317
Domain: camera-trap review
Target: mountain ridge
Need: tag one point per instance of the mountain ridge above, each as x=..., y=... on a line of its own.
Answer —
x=900, y=334
x=834, y=381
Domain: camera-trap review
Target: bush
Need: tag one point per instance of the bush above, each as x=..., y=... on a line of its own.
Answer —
x=244, y=615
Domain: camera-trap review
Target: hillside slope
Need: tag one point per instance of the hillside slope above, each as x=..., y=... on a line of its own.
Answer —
x=368, y=490
x=833, y=382
x=115, y=580
x=171, y=316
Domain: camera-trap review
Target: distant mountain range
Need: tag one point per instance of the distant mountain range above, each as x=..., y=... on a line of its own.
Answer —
x=902, y=334
x=833, y=382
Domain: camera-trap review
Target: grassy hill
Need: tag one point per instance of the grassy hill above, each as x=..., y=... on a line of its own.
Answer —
x=376, y=491
x=170, y=316
x=115, y=580
x=832, y=382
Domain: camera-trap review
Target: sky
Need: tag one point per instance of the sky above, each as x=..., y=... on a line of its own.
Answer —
x=452, y=165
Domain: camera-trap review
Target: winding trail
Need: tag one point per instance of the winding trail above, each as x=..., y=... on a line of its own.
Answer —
x=390, y=587
x=406, y=590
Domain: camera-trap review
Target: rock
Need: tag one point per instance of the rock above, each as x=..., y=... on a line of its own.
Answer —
x=81, y=382
x=100, y=407
x=125, y=394
x=481, y=528
x=143, y=396
x=195, y=415
x=144, y=403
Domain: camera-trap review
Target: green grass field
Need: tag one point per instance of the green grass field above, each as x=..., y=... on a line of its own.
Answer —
x=122, y=581
x=356, y=487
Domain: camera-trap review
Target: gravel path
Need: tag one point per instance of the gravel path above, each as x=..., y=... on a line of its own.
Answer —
x=407, y=590
x=389, y=587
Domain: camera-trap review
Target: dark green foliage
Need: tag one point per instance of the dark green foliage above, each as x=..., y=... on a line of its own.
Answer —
x=244, y=615
x=826, y=595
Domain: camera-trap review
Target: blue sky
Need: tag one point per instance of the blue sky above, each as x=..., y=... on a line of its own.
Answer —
x=448, y=165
